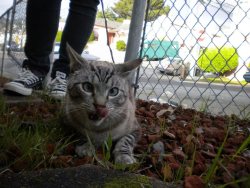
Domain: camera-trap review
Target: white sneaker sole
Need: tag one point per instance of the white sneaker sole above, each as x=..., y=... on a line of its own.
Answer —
x=17, y=88
x=58, y=95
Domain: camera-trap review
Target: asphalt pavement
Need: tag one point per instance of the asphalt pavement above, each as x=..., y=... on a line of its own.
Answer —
x=215, y=98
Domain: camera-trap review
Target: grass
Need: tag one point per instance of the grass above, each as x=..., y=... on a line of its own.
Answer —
x=27, y=146
x=22, y=141
x=243, y=147
x=204, y=105
x=224, y=80
x=212, y=169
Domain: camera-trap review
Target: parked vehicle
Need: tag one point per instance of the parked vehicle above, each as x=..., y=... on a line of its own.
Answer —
x=13, y=46
x=85, y=54
x=158, y=50
x=246, y=76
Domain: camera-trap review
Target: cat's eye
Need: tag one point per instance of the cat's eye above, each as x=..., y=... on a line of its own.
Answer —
x=113, y=91
x=88, y=87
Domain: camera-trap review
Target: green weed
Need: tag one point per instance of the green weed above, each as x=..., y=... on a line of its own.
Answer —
x=24, y=144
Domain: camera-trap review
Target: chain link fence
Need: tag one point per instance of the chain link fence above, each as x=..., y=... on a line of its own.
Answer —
x=196, y=54
x=13, y=34
x=17, y=32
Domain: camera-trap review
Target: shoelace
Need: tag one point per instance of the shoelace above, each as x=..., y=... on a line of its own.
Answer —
x=27, y=77
x=58, y=84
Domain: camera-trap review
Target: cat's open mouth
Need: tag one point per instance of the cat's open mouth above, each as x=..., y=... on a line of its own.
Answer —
x=94, y=117
x=99, y=114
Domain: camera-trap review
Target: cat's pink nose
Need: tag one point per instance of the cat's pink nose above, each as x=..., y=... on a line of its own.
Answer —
x=101, y=110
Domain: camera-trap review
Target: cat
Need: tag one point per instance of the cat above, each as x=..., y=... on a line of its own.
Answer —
x=100, y=104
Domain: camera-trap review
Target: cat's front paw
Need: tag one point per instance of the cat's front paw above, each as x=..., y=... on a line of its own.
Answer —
x=124, y=159
x=84, y=150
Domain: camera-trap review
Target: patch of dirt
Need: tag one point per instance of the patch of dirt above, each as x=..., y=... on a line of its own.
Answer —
x=3, y=81
x=176, y=144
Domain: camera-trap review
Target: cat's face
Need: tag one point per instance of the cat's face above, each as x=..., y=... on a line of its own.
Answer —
x=98, y=91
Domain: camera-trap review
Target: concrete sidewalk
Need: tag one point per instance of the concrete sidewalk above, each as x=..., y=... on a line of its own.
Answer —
x=9, y=68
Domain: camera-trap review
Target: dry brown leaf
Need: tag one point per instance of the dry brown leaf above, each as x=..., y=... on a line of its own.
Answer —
x=167, y=172
x=168, y=134
x=193, y=181
x=188, y=171
x=163, y=111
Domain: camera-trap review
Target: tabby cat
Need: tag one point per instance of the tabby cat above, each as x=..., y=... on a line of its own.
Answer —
x=100, y=104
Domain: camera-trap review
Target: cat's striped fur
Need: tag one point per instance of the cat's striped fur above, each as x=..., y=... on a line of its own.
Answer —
x=100, y=102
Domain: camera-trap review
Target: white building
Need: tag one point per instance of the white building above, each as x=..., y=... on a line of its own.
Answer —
x=212, y=23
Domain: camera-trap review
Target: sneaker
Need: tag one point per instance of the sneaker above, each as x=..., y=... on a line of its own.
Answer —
x=25, y=83
x=58, y=86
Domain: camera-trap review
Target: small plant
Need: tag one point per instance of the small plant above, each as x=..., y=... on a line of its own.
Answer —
x=214, y=166
x=197, y=147
x=204, y=105
x=218, y=60
x=243, y=146
x=121, y=45
x=248, y=66
x=106, y=148
x=29, y=145
x=59, y=36
x=92, y=37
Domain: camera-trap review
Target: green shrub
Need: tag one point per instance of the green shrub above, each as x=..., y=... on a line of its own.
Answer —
x=218, y=60
x=92, y=37
x=59, y=36
x=120, y=45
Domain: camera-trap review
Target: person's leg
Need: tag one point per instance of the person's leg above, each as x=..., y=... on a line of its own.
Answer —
x=42, y=18
x=77, y=30
x=41, y=27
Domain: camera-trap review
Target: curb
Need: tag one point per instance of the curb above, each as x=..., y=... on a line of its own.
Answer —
x=82, y=176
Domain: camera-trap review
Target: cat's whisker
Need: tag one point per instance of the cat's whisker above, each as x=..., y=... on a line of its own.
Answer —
x=83, y=106
x=117, y=115
x=73, y=110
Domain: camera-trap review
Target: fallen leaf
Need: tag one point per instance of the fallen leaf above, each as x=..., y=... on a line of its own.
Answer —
x=153, y=138
x=168, y=134
x=189, y=148
x=209, y=154
x=160, y=113
x=199, y=130
x=167, y=172
x=193, y=182
x=246, y=153
x=199, y=168
x=151, y=174
x=188, y=171
x=174, y=166
x=50, y=148
x=179, y=154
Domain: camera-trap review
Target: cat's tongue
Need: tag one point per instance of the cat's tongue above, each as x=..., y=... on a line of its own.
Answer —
x=102, y=111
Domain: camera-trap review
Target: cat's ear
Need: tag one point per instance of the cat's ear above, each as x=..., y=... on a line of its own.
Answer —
x=76, y=60
x=125, y=68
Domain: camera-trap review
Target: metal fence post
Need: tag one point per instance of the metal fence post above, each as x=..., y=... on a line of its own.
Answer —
x=5, y=40
x=12, y=23
x=135, y=32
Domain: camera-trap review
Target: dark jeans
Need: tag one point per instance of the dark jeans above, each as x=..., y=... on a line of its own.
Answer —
x=41, y=26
